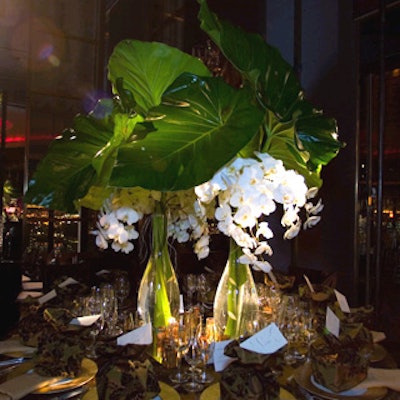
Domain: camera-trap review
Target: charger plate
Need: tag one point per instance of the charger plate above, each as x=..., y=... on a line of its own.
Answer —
x=303, y=376
x=378, y=354
x=213, y=393
x=88, y=372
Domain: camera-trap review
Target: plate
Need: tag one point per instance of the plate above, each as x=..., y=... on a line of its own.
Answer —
x=378, y=353
x=213, y=393
x=167, y=392
x=88, y=372
x=304, y=378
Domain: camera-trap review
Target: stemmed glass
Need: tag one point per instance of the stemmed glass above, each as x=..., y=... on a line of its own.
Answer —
x=94, y=307
x=121, y=286
x=206, y=340
x=292, y=325
x=110, y=310
x=191, y=287
x=193, y=356
x=181, y=342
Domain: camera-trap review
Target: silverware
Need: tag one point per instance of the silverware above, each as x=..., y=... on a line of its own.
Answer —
x=68, y=395
x=12, y=361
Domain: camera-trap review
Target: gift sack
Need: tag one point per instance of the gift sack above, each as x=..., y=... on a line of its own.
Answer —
x=126, y=374
x=341, y=363
x=251, y=376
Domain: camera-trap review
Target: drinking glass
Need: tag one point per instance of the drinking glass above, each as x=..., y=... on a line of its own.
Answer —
x=193, y=356
x=191, y=288
x=110, y=310
x=94, y=306
x=206, y=339
x=291, y=323
x=181, y=342
x=121, y=286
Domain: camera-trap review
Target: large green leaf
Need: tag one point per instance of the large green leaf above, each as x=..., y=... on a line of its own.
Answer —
x=66, y=172
x=200, y=126
x=148, y=69
x=311, y=140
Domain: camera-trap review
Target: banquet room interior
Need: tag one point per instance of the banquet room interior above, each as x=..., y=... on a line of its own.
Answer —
x=346, y=55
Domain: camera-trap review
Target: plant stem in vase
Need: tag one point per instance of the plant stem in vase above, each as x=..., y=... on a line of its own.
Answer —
x=158, y=297
x=236, y=296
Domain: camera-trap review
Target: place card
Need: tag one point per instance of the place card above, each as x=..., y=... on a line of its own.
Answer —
x=309, y=284
x=102, y=272
x=68, y=281
x=332, y=322
x=48, y=296
x=266, y=341
x=342, y=300
x=86, y=320
x=142, y=335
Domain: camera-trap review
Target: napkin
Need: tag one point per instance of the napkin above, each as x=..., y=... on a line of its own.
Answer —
x=142, y=335
x=125, y=372
x=251, y=376
x=22, y=385
x=29, y=293
x=10, y=346
x=378, y=336
x=380, y=377
x=32, y=285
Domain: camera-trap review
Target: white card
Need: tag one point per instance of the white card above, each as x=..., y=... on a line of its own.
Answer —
x=221, y=361
x=68, y=281
x=48, y=296
x=86, y=320
x=332, y=322
x=102, y=272
x=142, y=335
x=309, y=284
x=342, y=300
x=266, y=341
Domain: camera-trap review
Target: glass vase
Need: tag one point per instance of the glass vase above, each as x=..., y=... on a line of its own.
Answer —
x=236, y=297
x=158, y=296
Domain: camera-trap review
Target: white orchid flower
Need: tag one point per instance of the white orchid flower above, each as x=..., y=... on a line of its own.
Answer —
x=264, y=230
x=293, y=231
x=311, y=221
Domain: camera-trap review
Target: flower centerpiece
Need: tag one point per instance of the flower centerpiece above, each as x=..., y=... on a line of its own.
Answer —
x=177, y=139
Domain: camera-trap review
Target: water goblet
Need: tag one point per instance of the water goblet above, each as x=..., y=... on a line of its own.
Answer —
x=206, y=340
x=181, y=341
x=94, y=307
x=193, y=357
x=121, y=286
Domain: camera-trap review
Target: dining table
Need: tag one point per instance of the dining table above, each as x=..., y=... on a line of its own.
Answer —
x=85, y=387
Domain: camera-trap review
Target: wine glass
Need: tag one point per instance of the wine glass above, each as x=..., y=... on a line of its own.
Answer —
x=181, y=341
x=206, y=340
x=110, y=310
x=94, y=307
x=193, y=356
x=121, y=286
x=291, y=325
x=191, y=288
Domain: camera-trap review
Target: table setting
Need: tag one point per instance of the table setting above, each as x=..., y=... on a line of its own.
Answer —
x=61, y=350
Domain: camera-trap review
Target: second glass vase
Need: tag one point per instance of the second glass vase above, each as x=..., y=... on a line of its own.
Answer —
x=236, y=297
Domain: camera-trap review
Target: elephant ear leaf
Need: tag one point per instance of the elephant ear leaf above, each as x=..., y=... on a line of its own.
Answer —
x=312, y=140
x=201, y=124
x=147, y=69
x=66, y=173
